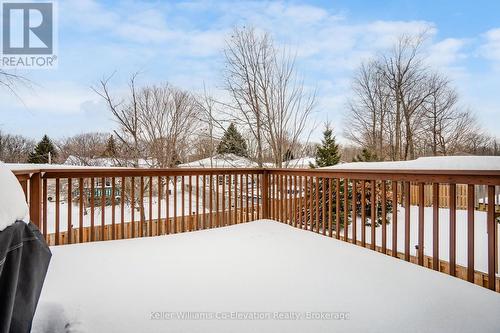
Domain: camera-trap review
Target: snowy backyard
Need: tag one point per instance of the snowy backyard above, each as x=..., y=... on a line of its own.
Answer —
x=249, y=166
x=480, y=233
x=257, y=270
x=108, y=211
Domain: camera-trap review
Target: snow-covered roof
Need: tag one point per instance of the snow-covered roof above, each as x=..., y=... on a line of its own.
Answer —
x=302, y=163
x=429, y=163
x=13, y=206
x=38, y=166
x=107, y=162
x=221, y=161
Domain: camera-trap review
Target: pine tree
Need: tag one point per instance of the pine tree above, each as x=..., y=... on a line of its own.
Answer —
x=43, y=150
x=328, y=153
x=110, y=150
x=232, y=143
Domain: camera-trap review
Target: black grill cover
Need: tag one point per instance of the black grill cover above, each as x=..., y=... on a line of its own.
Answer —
x=24, y=259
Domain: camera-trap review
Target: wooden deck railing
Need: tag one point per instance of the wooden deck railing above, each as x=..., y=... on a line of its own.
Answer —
x=361, y=207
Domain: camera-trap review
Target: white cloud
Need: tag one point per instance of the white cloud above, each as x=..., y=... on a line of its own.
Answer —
x=383, y=34
x=491, y=47
x=312, y=30
x=301, y=14
x=182, y=43
x=446, y=52
x=57, y=98
x=86, y=15
x=129, y=21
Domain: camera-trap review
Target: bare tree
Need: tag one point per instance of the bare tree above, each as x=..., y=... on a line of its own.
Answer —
x=11, y=81
x=15, y=148
x=155, y=122
x=446, y=127
x=126, y=114
x=368, y=119
x=402, y=109
x=406, y=76
x=212, y=125
x=268, y=98
x=479, y=143
x=83, y=148
x=167, y=119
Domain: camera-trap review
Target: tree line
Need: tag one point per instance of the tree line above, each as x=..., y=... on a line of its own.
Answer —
x=402, y=109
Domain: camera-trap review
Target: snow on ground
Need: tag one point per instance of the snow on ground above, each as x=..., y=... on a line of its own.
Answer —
x=429, y=163
x=134, y=286
x=75, y=212
x=13, y=206
x=480, y=235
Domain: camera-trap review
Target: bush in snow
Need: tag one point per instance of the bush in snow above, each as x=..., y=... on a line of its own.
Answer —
x=331, y=207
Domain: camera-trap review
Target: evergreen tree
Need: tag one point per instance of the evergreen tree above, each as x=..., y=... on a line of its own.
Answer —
x=111, y=150
x=316, y=215
x=328, y=153
x=43, y=149
x=232, y=143
x=366, y=156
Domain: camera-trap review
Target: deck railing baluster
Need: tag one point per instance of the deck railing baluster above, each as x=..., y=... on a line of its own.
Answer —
x=80, y=210
x=383, y=198
x=407, y=219
x=159, y=222
x=435, y=226
x=453, y=228
x=394, y=188
x=470, y=232
x=337, y=208
x=363, y=213
x=183, y=203
x=57, y=213
x=346, y=209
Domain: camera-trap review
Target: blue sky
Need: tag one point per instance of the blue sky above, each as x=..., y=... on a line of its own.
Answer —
x=182, y=42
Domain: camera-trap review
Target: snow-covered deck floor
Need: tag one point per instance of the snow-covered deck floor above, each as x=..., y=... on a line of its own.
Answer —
x=263, y=266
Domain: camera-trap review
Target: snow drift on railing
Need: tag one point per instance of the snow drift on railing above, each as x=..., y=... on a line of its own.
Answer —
x=429, y=163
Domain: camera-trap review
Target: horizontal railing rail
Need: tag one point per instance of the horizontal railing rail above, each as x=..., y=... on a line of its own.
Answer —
x=401, y=213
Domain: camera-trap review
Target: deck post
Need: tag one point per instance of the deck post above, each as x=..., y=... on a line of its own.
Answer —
x=264, y=193
x=35, y=198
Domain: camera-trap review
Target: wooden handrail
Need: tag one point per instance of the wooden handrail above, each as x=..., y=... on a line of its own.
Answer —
x=477, y=177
